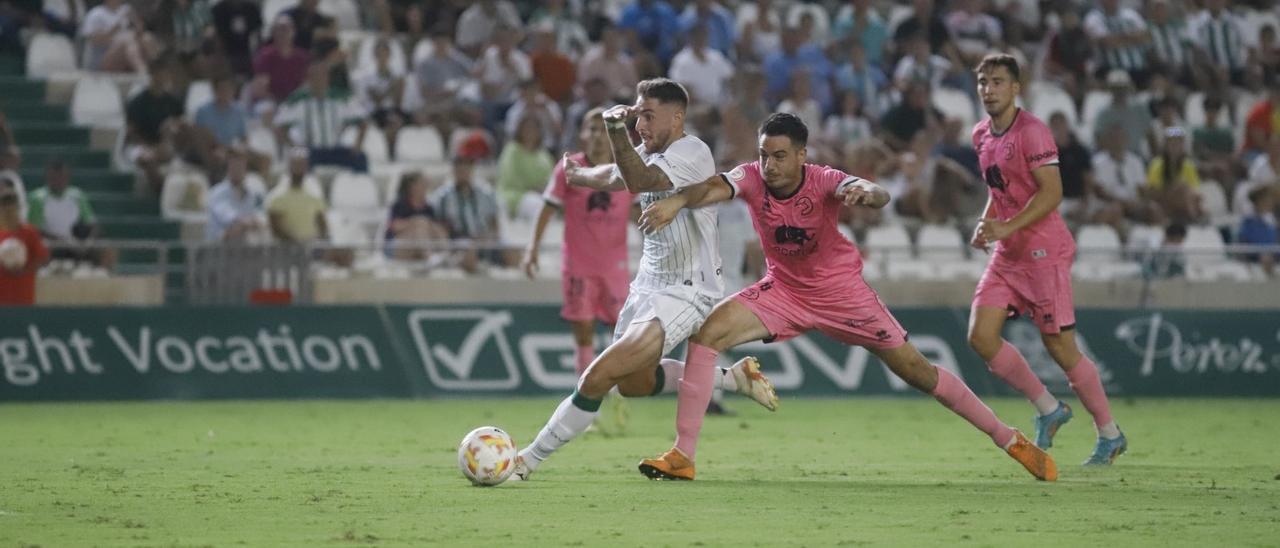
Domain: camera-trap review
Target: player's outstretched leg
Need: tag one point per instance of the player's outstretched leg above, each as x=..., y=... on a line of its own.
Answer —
x=1083, y=375
x=743, y=377
x=907, y=362
x=638, y=347
x=729, y=324
x=1007, y=364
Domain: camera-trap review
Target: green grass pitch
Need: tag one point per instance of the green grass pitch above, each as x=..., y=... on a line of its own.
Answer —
x=820, y=472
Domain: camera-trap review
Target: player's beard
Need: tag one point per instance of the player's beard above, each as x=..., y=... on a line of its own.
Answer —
x=657, y=142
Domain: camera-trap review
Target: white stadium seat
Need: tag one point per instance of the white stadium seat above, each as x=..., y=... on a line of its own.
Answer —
x=420, y=144
x=50, y=54
x=271, y=9
x=374, y=145
x=941, y=243
x=357, y=197
x=955, y=104
x=1226, y=270
x=1047, y=98
x=344, y=12
x=888, y=243
x=1098, y=243
x=199, y=93
x=1204, y=245
x=96, y=102
x=1194, y=115
x=912, y=269
x=422, y=50
x=1214, y=202
x=1142, y=238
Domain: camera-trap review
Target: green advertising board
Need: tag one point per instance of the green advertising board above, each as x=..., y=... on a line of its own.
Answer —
x=426, y=351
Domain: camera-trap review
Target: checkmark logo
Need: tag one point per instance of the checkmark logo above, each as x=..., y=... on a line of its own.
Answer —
x=453, y=342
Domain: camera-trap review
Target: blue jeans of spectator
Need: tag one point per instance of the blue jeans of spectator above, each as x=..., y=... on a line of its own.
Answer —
x=340, y=156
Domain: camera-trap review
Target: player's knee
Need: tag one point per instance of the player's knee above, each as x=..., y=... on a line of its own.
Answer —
x=712, y=335
x=596, y=382
x=985, y=344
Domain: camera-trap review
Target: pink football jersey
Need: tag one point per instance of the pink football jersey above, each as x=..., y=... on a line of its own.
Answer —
x=1007, y=160
x=595, y=224
x=799, y=233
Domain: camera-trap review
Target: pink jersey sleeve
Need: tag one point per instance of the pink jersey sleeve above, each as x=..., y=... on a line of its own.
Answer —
x=830, y=180
x=556, y=186
x=742, y=180
x=1038, y=147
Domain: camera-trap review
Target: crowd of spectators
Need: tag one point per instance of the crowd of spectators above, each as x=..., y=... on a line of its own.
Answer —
x=1148, y=136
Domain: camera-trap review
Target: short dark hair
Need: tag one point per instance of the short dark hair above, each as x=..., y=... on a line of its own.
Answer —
x=1175, y=230
x=1212, y=102
x=56, y=163
x=663, y=90
x=1258, y=194
x=1000, y=60
x=785, y=123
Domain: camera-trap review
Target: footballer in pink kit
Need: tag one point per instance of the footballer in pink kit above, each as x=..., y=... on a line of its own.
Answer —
x=594, y=273
x=1030, y=270
x=813, y=283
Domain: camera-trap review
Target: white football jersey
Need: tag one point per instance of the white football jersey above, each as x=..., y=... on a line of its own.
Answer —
x=686, y=251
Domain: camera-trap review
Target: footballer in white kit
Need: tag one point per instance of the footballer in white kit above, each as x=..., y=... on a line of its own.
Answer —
x=679, y=280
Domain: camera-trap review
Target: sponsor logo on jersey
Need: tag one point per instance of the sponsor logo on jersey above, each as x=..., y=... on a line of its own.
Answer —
x=1042, y=156
x=787, y=234
x=994, y=178
x=599, y=200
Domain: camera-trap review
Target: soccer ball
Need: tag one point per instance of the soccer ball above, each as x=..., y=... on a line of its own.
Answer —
x=13, y=253
x=487, y=456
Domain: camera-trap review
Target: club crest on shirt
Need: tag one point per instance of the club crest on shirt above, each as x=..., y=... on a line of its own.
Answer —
x=805, y=205
x=1007, y=149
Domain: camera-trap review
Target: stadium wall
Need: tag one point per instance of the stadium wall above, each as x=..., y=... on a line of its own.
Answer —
x=401, y=351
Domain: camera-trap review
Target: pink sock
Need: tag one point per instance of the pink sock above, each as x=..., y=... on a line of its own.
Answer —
x=1012, y=368
x=953, y=393
x=583, y=356
x=695, y=394
x=1085, y=382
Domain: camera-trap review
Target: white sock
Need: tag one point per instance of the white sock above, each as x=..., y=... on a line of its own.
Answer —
x=1109, y=431
x=1046, y=403
x=672, y=371
x=568, y=422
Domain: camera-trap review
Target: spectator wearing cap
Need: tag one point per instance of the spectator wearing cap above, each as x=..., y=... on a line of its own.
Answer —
x=1216, y=34
x=1122, y=38
x=485, y=20
x=1262, y=122
x=309, y=22
x=1133, y=117
x=237, y=204
x=18, y=283
x=64, y=215
x=469, y=210
x=314, y=117
x=1174, y=179
x=282, y=63
x=608, y=62
x=237, y=25
x=1259, y=228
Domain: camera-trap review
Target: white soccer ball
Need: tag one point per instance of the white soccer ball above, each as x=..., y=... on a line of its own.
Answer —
x=487, y=456
x=13, y=253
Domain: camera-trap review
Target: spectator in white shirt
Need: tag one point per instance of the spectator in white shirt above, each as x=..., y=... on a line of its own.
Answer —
x=390, y=98
x=920, y=65
x=237, y=205
x=115, y=39
x=1122, y=177
x=500, y=72
x=975, y=33
x=702, y=70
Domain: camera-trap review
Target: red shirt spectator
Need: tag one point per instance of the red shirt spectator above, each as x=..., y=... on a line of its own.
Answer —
x=283, y=63
x=1263, y=122
x=18, y=285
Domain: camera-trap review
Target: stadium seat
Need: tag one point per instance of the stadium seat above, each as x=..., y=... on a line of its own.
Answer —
x=1194, y=114
x=1047, y=97
x=357, y=197
x=50, y=54
x=374, y=145
x=887, y=243
x=96, y=102
x=346, y=231
x=1098, y=243
x=1226, y=270
x=199, y=93
x=1251, y=23
x=912, y=269
x=970, y=269
x=1214, y=202
x=1094, y=102
x=955, y=104
x=940, y=243
x=183, y=196
x=1204, y=245
x=263, y=140
x=1142, y=238
x=62, y=9
x=344, y=12
x=364, y=56
x=420, y=144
